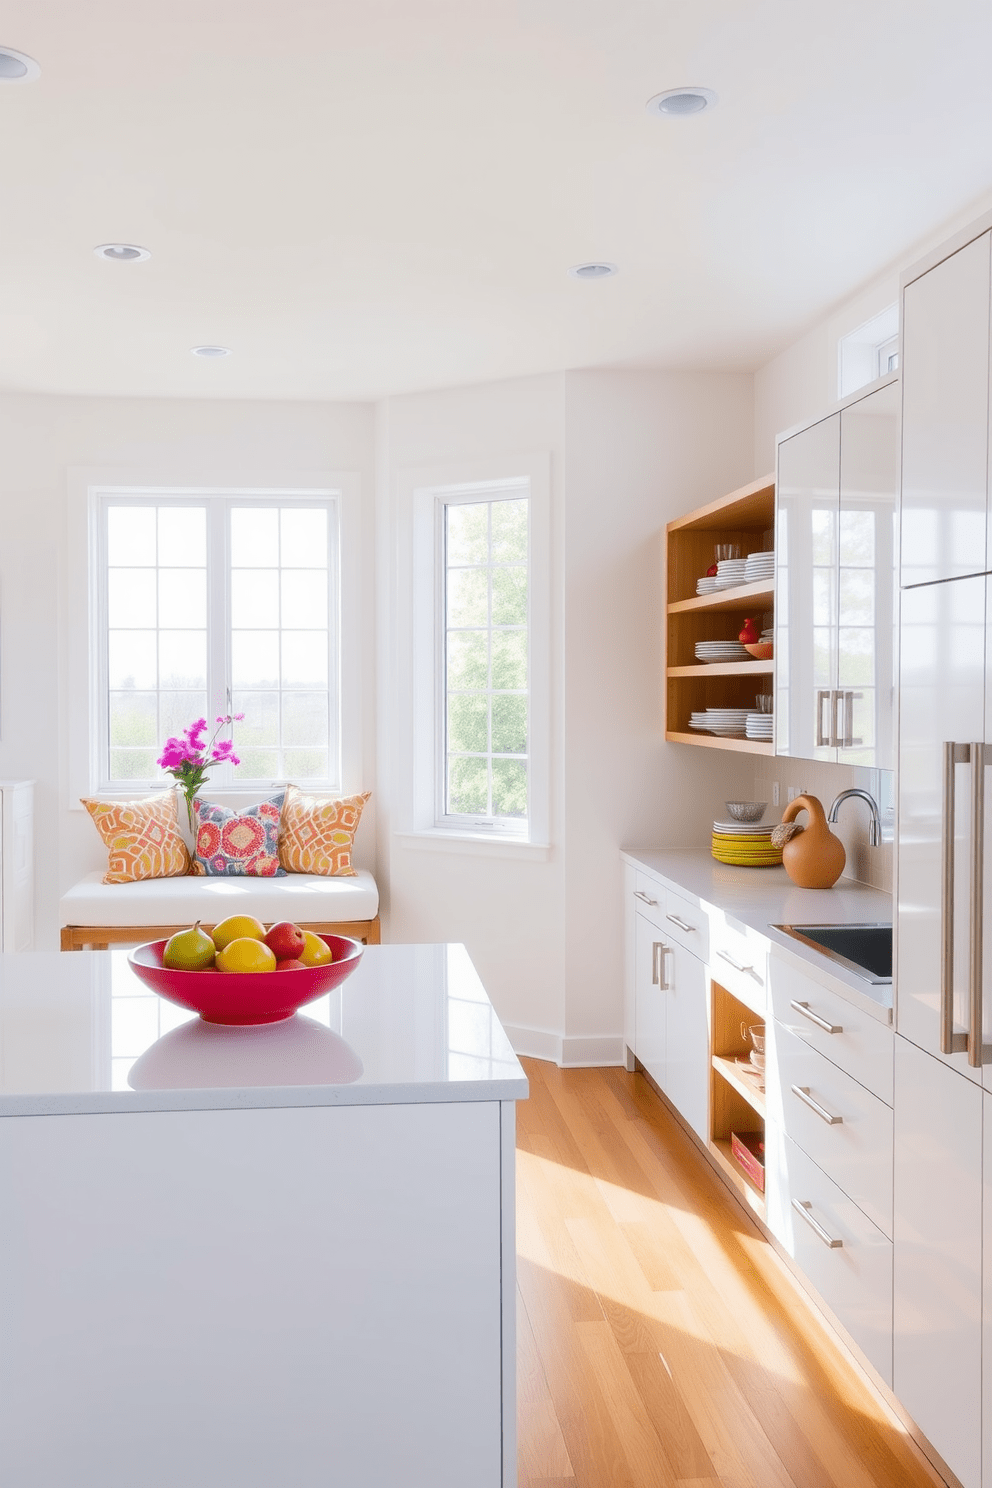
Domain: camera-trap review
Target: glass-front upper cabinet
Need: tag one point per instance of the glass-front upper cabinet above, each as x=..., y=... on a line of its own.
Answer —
x=835, y=586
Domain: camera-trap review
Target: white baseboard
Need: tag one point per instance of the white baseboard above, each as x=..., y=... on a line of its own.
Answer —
x=589, y=1052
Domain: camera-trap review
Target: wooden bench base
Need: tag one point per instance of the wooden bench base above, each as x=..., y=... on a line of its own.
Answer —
x=101, y=937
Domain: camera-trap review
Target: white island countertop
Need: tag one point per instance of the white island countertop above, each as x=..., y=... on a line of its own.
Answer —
x=761, y=898
x=79, y=1033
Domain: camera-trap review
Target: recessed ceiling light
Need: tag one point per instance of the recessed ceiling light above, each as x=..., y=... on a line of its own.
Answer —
x=122, y=252
x=15, y=67
x=676, y=103
x=211, y=351
x=597, y=270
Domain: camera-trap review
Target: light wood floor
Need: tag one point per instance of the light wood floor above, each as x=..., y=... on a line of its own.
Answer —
x=661, y=1341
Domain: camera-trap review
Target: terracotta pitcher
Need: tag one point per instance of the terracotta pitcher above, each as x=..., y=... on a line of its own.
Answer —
x=813, y=859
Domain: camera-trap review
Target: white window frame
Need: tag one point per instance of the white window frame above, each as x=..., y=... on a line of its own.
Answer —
x=85, y=767
x=424, y=493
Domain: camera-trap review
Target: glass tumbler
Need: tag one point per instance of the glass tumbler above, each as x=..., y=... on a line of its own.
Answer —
x=723, y=551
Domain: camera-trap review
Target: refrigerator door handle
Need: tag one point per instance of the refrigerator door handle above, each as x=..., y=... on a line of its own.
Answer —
x=950, y=1042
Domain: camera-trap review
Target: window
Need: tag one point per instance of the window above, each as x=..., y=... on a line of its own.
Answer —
x=484, y=666
x=211, y=604
x=471, y=735
x=870, y=351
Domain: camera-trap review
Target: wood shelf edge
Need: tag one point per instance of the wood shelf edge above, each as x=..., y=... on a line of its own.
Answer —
x=724, y=599
x=711, y=741
x=764, y=483
x=725, y=669
x=727, y=1070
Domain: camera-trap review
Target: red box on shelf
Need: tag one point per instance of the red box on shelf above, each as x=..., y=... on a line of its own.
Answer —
x=748, y=1149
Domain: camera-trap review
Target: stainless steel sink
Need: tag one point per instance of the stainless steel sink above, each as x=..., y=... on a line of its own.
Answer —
x=863, y=949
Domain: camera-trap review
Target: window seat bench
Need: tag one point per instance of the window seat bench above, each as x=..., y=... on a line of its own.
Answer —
x=95, y=915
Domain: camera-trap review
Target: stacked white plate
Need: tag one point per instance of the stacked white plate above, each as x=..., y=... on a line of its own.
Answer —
x=743, y=829
x=728, y=723
x=769, y=634
x=730, y=573
x=721, y=651
x=759, y=566
x=706, y=585
x=760, y=726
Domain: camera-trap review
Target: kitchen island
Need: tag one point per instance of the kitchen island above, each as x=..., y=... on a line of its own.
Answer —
x=257, y=1256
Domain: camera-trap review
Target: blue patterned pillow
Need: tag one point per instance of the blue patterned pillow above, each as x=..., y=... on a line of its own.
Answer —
x=239, y=842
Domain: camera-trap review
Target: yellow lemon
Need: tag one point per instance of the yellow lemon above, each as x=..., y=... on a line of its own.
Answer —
x=245, y=954
x=316, y=952
x=237, y=927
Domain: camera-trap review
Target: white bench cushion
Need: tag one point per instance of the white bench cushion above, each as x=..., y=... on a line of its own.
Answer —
x=304, y=897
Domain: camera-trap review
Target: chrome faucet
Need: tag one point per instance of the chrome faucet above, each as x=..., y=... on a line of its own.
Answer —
x=875, y=824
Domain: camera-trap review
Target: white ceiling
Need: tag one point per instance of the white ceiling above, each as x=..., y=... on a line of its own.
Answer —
x=363, y=197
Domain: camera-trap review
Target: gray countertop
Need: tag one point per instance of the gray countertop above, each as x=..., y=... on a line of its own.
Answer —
x=79, y=1033
x=760, y=898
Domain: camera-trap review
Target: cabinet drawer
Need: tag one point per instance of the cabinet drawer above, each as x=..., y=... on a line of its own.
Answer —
x=854, y=1276
x=739, y=962
x=854, y=1149
x=649, y=899
x=686, y=924
x=860, y=1045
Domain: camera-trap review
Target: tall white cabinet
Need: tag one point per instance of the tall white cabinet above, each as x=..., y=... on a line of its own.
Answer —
x=16, y=865
x=942, y=1266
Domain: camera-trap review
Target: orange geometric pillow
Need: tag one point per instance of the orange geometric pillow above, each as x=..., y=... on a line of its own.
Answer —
x=317, y=832
x=142, y=837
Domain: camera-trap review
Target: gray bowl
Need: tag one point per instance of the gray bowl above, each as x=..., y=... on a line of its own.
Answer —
x=746, y=811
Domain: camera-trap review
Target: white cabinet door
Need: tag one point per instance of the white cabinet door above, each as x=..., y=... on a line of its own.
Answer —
x=945, y=382
x=649, y=999
x=937, y=1256
x=942, y=687
x=987, y=1273
x=866, y=579
x=687, y=1072
x=806, y=589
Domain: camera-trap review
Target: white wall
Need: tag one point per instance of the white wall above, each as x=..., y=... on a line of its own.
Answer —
x=629, y=451
x=42, y=439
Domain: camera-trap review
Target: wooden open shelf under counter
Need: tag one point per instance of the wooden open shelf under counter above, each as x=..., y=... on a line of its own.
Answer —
x=743, y=517
x=736, y=1103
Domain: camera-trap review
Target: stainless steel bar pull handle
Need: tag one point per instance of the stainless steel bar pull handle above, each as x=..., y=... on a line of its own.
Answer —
x=822, y=739
x=807, y=1012
x=658, y=950
x=802, y=1092
x=681, y=923
x=976, y=944
x=836, y=703
x=950, y=1042
x=644, y=898
x=802, y=1208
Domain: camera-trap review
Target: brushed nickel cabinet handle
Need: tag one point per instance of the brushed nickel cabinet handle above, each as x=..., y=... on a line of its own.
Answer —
x=802, y=1093
x=975, y=1032
x=802, y=1208
x=950, y=1042
x=681, y=923
x=644, y=898
x=807, y=1012
x=822, y=740
x=738, y=965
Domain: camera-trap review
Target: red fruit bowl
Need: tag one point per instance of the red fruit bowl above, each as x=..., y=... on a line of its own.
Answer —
x=246, y=997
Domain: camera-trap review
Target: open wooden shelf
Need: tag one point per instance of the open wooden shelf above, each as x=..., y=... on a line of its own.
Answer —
x=742, y=597
x=713, y=741
x=730, y=1071
x=752, y=1195
x=745, y=517
x=725, y=669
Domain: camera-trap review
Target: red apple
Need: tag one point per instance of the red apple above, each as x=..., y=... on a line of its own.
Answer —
x=285, y=941
x=291, y=965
